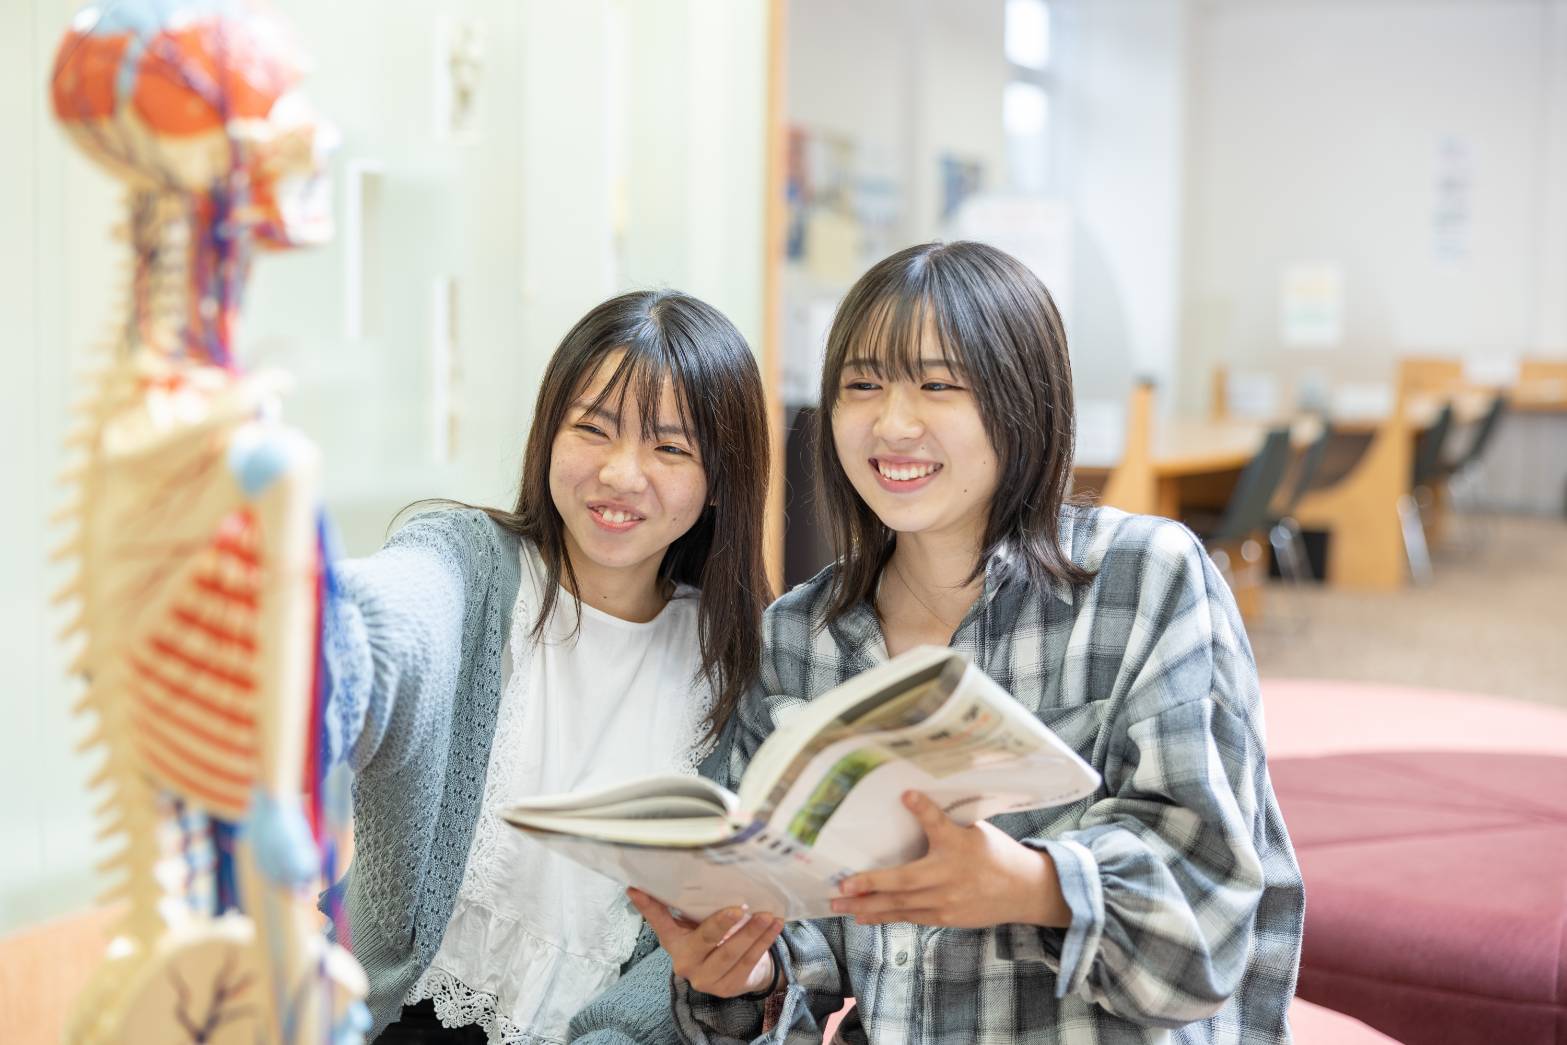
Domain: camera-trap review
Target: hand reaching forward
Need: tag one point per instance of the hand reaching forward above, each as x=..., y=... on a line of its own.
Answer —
x=970, y=878
x=725, y=956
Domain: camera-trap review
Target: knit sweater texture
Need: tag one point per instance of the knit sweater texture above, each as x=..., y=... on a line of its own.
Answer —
x=413, y=645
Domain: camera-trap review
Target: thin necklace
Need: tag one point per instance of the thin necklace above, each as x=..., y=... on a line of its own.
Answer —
x=938, y=618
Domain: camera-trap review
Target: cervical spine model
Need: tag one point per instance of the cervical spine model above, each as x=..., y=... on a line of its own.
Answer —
x=201, y=578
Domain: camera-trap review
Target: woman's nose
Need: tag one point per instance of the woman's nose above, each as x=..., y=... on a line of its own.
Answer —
x=899, y=417
x=622, y=469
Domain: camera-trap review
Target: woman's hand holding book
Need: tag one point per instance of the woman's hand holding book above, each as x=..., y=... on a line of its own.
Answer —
x=971, y=878
x=725, y=955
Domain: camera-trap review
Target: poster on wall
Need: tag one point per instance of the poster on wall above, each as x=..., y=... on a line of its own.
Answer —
x=1453, y=200
x=1311, y=305
x=843, y=204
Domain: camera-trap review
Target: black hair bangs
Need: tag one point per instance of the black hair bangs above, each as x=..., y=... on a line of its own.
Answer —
x=899, y=333
x=649, y=365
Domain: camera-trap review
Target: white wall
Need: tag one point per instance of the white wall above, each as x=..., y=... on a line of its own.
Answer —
x=1551, y=277
x=695, y=150
x=1203, y=145
x=920, y=78
x=848, y=72
x=1315, y=136
x=913, y=78
x=1121, y=152
x=44, y=835
x=523, y=218
x=907, y=81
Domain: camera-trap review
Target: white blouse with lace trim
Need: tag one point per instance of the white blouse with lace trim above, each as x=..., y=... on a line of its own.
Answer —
x=533, y=937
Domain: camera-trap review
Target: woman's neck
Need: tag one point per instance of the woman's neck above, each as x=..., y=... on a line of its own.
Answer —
x=633, y=593
x=939, y=563
x=927, y=589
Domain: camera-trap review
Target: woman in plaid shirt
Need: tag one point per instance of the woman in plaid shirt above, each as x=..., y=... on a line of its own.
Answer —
x=1167, y=907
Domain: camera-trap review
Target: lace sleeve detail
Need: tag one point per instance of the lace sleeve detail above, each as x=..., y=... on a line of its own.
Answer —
x=458, y=1005
x=486, y=860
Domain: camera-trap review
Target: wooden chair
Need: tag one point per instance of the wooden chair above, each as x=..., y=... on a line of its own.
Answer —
x=1542, y=384
x=1430, y=375
x=1360, y=510
x=1131, y=485
x=1541, y=371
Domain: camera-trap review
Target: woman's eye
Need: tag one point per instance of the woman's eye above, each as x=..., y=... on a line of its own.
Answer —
x=939, y=386
x=591, y=429
x=671, y=448
x=861, y=386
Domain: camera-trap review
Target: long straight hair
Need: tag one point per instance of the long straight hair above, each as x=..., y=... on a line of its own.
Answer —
x=671, y=338
x=995, y=322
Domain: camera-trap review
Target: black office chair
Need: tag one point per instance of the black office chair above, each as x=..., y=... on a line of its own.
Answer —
x=1462, y=474
x=1284, y=533
x=1428, y=469
x=1485, y=432
x=1247, y=512
x=1431, y=448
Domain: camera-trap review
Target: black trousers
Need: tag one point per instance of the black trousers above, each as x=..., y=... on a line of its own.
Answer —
x=419, y=1025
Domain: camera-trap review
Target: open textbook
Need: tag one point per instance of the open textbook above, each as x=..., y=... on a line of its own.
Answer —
x=821, y=798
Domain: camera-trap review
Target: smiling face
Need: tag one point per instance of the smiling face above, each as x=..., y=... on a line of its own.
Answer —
x=983, y=450
x=915, y=448
x=624, y=495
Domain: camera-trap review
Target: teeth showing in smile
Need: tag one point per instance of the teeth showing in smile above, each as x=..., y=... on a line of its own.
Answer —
x=905, y=472
x=615, y=517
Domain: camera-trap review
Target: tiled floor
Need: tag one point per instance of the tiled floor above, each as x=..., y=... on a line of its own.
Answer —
x=1493, y=621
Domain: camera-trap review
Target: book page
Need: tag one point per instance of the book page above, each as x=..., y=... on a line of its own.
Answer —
x=753, y=867
x=898, y=693
x=678, y=832
x=660, y=810
x=980, y=754
x=683, y=792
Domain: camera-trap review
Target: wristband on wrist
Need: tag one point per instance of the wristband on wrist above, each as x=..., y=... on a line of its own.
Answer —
x=763, y=995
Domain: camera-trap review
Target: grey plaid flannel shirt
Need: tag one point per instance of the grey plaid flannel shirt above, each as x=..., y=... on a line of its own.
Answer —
x=1185, y=895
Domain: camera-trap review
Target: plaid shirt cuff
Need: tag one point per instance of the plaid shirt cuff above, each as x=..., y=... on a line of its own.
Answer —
x=709, y=1018
x=1078, y=873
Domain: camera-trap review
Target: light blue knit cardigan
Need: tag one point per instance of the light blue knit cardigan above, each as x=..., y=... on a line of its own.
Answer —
x=413, y=646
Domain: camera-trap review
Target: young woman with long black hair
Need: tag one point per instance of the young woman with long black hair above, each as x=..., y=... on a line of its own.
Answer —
x=604, y=627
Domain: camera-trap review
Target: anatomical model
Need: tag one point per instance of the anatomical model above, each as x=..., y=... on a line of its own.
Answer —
x=201, y=577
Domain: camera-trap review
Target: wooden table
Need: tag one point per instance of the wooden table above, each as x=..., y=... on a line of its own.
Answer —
x=1420, y=411
x=1542, y=396
x=1187, y=463
x=1173, y=468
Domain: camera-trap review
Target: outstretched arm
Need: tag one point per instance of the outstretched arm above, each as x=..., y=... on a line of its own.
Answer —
x=392, y=641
